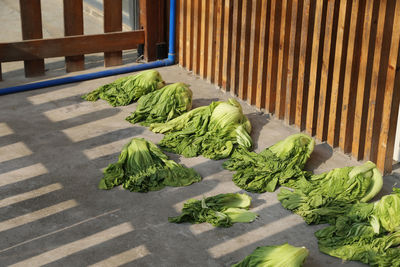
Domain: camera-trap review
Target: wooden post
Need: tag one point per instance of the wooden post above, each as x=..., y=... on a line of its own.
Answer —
x=73, y=25
x=31, y=23
x=112, y=23
x=152, y=21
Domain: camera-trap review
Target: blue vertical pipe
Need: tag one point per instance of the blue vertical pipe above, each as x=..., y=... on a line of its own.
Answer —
x=99, y=74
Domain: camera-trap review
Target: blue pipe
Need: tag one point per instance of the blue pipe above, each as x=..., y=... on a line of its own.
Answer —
x=99, y=74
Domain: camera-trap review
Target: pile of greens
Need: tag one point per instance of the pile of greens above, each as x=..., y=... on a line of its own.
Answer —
x=369, y=233
x=213, y=131
x=221, y=210
x=162, y=105
x=278, y=164
x=143, y=167
x=284, y=255
x=321, y=198
x=125, y=90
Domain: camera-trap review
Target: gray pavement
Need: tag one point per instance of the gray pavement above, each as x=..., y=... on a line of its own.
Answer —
x=53, y=146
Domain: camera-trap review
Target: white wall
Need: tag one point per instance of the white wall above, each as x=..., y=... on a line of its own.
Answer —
x=396, y=154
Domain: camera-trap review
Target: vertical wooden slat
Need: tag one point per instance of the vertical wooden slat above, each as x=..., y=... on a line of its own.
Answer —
x=373, y=113
x=300, y=101
x=219, y=42
x=359, y=116
x=236, y=37
x=31, y=23
x=336, y=95
x=263, y=54
x=227, y=45
x=272, y=58
x=244, y=50
x=211, y=43
x=254, y=50
x=311, y=103
x=73, y=25
x=346, y=130
x=391, y=99
x=204, y=37
x=322, y=117
x=189, y=35
x=113, y=23
x=293, y=57
x=281, y=72
x=182, y=32
x=196, y=36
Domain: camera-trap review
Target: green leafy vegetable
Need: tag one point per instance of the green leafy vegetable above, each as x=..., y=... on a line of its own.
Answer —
x=278, y=164
x=125, y=90
x=323, y=197
x=213, y=131
x=221, y=210
x=162, y=105
x=143, y=167
x=284, y=255
x=367, y=232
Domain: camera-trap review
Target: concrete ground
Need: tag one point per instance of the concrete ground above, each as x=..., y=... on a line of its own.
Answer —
x=53, y=146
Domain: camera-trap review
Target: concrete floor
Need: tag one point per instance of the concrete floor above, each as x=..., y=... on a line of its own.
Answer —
x=53, y=146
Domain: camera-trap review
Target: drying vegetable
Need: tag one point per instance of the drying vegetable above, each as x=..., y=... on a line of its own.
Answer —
x=221, y=210
x=213, y=131
x=323, y=197
x=162, y=105
x=143, y=167
x=125, y=90
x=284, y=255
x=278, y=164
x=366, y=232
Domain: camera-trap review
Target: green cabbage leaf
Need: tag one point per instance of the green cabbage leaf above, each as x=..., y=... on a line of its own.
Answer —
x=125, y=90
x=321, y=198
x=366, y=232
x=284, y=255
x=221, y=210
x=143, y=167
x=213, y=131
x=162, y=105
x=277, y=164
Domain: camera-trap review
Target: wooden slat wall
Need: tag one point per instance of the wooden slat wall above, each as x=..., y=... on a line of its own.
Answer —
x=330, y=67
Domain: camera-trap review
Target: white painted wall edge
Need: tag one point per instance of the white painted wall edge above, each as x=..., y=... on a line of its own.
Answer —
x=396, y=154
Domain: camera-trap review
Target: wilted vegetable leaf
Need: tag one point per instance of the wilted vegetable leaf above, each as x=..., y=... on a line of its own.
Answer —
x=221, y=210
x=277, y=164
x=323, y=197
x=283, y=255
x=213, y=131
x=162, y=105
x=143, y=167
x=125, y=90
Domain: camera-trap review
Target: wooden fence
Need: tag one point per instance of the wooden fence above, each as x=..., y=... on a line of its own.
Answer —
x=330, y=67
x=74, y=45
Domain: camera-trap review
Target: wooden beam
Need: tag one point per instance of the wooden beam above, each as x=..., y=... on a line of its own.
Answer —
x=219, y=37
x=227, y=46
x=293, y=61
x=244, y=49
x=236, y=37
x=196, y=35
x=205, y=5
x=254, y=50
x=112, y=23
x=325, y=87
x=73, y=25
x=182, y=33
x=31, y=23
x=70, y=46
x=391, y=99
x=301, y=90
x=263, y=54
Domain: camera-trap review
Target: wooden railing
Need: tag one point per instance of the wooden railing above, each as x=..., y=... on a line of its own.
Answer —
x=33, y=50
x=330, y=67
